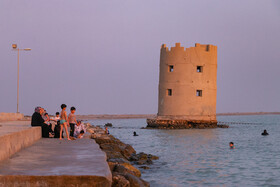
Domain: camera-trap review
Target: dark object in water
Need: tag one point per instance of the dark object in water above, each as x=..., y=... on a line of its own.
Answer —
x=108, y=125
x=134, y=134
x=265, y=133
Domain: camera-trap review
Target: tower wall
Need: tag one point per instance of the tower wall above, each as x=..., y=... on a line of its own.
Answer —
x=181, y=83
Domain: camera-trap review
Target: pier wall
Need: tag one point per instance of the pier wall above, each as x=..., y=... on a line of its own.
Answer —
x=13, y=142
x=11, y=116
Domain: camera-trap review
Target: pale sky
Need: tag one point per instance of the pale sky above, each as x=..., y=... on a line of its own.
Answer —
x=103, y=56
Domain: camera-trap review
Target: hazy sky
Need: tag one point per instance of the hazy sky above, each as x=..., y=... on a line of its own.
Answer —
x=102, y=56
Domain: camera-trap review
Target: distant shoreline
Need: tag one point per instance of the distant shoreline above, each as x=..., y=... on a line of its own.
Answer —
x=247, y=113
x=115, y=116
x=137, y=116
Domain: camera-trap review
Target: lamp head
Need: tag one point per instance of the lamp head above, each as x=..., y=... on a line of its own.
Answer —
x=14, y=46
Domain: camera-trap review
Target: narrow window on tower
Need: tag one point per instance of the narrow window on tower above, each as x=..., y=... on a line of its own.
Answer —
x=169, y=92
x=199, y=69
x=199, y=93
x=170, y=68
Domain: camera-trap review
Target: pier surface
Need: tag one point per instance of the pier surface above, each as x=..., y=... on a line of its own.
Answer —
x=54, y=162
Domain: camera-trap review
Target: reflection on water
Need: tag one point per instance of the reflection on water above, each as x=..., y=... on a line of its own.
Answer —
x=201, y=157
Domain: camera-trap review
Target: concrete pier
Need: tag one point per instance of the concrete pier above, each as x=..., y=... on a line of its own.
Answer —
x=16, y=135
x=11, y=116
x=54, y=162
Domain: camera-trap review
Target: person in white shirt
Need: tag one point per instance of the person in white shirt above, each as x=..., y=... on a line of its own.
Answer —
x=80, y=130
x=57, y=117
x=56, y=120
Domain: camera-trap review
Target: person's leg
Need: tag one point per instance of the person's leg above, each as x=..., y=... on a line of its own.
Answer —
x=65, y=126
x=72, y=126
x=56, y=131
x=51, y=128
x=60, y=133
x=51, y=132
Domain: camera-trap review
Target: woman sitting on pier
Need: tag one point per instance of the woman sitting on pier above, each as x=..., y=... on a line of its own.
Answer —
x=37, y=119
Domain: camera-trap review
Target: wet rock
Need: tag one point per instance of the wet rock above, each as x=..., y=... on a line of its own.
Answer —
x=134, y=157
x=144, y=167
x=140, y=162
x=114, y=155
x=223, y=126
x=112, y=166
x=132, y=168
x=94, y=136
x=149, y=161
x=143, y=158
x=135, y=181
x=144, y=162
x=127, y=151
x=181, y=124
x=117, y=160
x=108, y=125
x=127, y=169
x=89, y=130
x=118, y=156
x=104, y=139
x=120, y=181
x=153, y=157
x=110, y=147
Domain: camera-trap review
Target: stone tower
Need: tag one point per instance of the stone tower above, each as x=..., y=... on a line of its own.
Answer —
x=187, y=87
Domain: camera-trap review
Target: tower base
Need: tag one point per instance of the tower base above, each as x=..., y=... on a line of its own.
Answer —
x=181, y=124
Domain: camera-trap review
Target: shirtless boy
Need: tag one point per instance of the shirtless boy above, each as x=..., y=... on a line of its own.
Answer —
x=63, y=121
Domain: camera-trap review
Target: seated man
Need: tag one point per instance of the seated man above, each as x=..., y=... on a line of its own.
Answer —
x=80, y=130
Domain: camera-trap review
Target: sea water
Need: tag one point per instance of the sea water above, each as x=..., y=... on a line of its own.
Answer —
x=202, y=157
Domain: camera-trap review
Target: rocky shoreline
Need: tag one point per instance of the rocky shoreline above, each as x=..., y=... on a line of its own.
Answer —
x=121, y=157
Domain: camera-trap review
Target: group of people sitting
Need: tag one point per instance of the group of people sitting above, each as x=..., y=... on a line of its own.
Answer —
x=52, y=127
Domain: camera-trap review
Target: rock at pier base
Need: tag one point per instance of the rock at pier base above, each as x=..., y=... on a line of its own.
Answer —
x=223, y=126
x=180, y=124
x=119, y=156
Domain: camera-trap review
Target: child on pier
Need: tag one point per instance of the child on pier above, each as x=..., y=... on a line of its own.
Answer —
x=72, y=121
x=63, y=121
x=80, y=130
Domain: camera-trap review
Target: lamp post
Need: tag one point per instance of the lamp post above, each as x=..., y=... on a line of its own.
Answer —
x=17, y=49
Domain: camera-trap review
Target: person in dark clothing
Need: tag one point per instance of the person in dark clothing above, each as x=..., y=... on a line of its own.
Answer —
x=134, y=134
x=57, y=130
x=265, y=133
x=45, y=131
x=37, y=119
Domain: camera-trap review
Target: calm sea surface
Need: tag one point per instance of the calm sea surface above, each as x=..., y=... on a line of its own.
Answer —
x=201, y=157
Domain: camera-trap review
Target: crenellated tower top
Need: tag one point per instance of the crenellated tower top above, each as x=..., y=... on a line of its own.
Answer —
x=205, y=47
